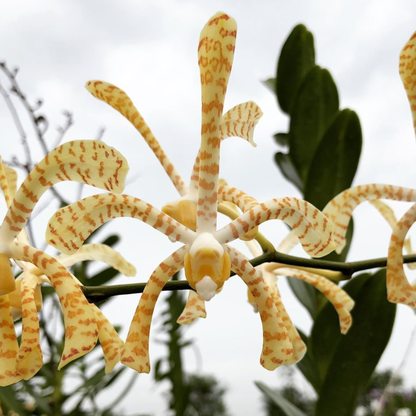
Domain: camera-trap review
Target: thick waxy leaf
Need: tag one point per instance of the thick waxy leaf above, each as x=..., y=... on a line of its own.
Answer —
x=336, y=160
x=346, y=362
x=288, y=170
x=285, y=406
x=297, y=58
x=313, y=111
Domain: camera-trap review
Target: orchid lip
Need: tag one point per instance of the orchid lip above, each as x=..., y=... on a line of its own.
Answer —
x=206, y=288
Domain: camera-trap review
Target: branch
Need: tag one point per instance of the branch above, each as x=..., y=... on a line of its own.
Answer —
x=99, y=293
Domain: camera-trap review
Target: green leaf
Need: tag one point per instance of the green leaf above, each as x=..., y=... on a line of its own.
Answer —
x=314, y=108
x=102, y=277
x=308, y=364
x=288, y=408
x=288, y=170
x=8, y=399
x=296, y=59
x=305, y=293
x=335, y=162
x=346, y=362
x=270, y=84
x=282, y=139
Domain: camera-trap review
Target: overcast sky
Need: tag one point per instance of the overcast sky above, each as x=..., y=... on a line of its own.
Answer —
x=149, y=49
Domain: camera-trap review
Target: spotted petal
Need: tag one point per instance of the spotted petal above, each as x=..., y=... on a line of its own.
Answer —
x=194, y=308
x=135, y=353
x=215, y=58
x=110, y=341
x=120, y=101
x=277, y=345
x=29, y=360
x=8, y=182
x=390, y=217
x=70, y=226
x=81, y=330
x=339, y=209
x=407, y=70
x=338, y=297
x=88, y=161
x=99, y=252
x=398, y=288
x=311, y=226
x=8, y=345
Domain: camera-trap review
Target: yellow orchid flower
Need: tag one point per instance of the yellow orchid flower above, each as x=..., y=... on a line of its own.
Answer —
x=87, y=162
x=407, y=70
x=338, y=297
x=205, y=255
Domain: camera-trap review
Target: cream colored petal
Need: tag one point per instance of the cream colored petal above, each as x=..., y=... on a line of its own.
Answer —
x=135, y=353
x=7, y=280
x=15, y=297
x=99, y=252
x=215, y=58
x=194, y=308
x=8, y=182
x=8, y=345
x=240, y=121
x=299, y=347
x=29, y=359
x=341, y=301
x=407, y=70
x=310, y=225
x=398, y=288
x=81, y=330
x=339, y=210
x=277, y=345
x=390, y=217
x=235, y=197
x=85, y=161
x=110, y=341
x=120, y=101
x=70, y=226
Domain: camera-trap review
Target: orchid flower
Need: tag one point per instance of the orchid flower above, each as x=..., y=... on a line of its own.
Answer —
x=320, y=279
x=205, y=255
x=87, y=162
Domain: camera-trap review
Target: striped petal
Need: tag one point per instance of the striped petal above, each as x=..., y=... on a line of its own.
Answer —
x=277, y=345
x=407, y=70
x=70, y=226
x=99, y=252
x=29, y=360
x=88, y=161
x=8, y=182
x=81, y=330
x=299, y=347
x=398, y=288
x=120, y=101
x=309, y=224
x=135, y=353
x=194, y=308
x=390, y=217
x=8, y=345
x=110, y=341
x=338, y=297
x=215, y=58
x=240, y=121
x=7, y=280
x=339, y=209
